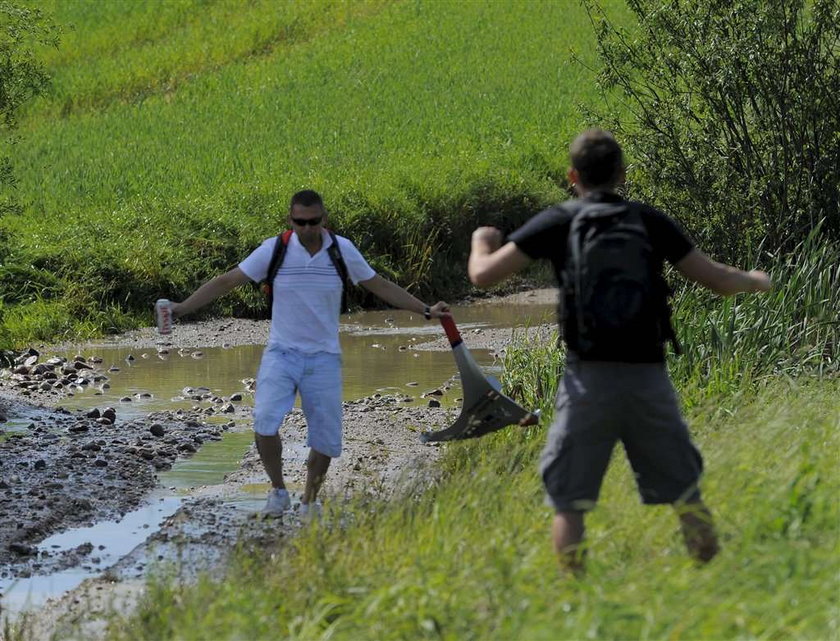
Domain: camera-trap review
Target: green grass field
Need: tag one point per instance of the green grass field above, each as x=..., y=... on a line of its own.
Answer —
x=176, y=132
x=168, y=147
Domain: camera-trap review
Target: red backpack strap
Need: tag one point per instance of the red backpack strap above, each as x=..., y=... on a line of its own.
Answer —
x=274, y=265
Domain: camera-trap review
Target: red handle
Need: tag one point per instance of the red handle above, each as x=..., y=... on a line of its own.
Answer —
x=451, y=330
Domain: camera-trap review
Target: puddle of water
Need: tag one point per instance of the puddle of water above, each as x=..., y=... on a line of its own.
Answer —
x=251, y=498
x=209, y=465
x=370, y=341
x=20, y=422
x=111, y=540
x=220, y=370
x=14, y=426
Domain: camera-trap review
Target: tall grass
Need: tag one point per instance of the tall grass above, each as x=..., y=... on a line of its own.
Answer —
x=793, y=330
x=466, y=555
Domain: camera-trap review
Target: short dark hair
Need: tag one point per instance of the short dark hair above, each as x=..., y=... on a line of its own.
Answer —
x=597, y=157
x=307, y=198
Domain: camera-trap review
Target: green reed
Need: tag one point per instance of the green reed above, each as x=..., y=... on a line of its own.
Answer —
x=792, y=330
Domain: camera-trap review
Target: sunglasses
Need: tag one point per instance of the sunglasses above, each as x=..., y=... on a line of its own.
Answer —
x=303, y=222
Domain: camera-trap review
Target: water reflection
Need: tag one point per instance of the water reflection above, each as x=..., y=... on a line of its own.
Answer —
x=108, y=542
x=376, y=349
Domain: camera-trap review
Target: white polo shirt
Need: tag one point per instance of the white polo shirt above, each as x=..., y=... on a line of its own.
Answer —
x=307, y=292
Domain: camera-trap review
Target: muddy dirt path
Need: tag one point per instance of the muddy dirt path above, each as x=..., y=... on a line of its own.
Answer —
x=62, y=469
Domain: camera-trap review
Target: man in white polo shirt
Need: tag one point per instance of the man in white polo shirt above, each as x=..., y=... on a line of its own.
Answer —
x=303, y=353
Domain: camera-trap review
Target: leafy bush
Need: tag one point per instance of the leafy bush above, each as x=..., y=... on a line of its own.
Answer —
x=735, y=104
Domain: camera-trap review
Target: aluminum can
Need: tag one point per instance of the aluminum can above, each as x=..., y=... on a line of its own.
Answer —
x=163, y=316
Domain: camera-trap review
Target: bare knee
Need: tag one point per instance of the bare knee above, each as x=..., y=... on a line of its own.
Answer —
x=317, y=460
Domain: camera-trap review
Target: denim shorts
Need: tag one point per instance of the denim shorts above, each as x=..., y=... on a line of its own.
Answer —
x=285, y=372
x=601, y=403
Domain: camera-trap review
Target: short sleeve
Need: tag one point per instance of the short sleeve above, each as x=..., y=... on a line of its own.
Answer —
x=255, y=265
x=543, y=235
x=667, y=237
x=357, y=267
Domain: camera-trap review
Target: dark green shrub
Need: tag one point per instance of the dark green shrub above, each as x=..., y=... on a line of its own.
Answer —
x=735, y=115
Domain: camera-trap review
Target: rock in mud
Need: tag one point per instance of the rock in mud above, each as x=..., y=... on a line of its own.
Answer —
x=22, y=549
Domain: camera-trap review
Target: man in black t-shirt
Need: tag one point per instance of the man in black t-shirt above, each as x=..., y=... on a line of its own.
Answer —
x=613, y=390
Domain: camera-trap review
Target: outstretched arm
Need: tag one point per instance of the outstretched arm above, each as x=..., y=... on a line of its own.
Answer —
x=210, y=291
x=396, y=296
x=490, y=262
x=721, y=279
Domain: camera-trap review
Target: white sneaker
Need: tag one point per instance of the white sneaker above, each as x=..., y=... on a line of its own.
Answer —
x=278, y=502
x=310, y=512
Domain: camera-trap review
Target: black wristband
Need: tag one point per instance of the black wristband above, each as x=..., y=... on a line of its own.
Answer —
x=427, y=313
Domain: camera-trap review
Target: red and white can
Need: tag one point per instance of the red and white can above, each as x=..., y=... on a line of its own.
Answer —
x=163, y=316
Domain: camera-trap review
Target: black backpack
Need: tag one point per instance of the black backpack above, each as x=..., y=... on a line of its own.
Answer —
x=333, y=251
x=616, y=295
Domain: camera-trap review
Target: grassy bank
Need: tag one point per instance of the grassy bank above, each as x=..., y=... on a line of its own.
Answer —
x=468, y=556
x=171, y=143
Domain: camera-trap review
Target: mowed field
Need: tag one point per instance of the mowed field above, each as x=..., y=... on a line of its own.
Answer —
x=176, y=131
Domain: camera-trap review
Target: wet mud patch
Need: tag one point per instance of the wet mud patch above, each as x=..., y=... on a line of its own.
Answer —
x=69, y=469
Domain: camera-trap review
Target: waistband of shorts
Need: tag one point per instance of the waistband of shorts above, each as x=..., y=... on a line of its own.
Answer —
x=280, y=347
x=573, y=361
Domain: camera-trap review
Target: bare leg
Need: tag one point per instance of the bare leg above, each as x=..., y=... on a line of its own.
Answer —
x=316, y=470
x=567, y=534
x=698, y=530
x=270, y=449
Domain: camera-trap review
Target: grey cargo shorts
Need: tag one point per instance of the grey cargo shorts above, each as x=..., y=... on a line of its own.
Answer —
x=600, y=403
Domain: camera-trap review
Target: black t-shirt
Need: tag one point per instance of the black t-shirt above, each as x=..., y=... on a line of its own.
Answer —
x=546, y=236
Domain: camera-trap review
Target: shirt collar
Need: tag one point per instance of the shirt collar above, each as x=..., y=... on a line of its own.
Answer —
x=602, y=197
x=326, y=240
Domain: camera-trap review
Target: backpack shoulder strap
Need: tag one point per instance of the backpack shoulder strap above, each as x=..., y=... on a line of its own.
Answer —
x=277, y=255
x=334, y=252
x=274, y=265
